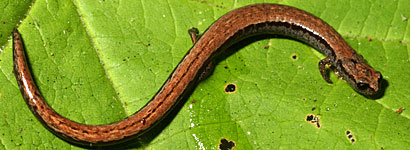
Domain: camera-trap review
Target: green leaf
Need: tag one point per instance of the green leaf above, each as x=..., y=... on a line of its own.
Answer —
x=97, y=62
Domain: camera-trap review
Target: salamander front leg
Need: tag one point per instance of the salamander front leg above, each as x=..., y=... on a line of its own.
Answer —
x=322, y=64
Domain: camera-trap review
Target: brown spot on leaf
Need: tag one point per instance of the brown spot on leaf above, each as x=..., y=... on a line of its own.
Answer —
x=400, y=110
x=369, y=39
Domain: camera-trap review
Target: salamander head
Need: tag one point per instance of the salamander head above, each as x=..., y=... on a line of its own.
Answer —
x=361, y=76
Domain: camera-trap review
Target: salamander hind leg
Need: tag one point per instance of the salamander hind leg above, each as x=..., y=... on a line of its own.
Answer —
x=207, y=71
x=209, y=68
x=322, y=66
x=194, y=33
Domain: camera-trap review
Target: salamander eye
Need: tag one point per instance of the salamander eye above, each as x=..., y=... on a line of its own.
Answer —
x=362, y=86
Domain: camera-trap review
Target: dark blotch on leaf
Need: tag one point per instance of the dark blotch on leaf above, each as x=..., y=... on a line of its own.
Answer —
x=230, y=88
x=350, y=136
x=309, y=118
x=318, y=125
x=226, y=144
x=294, y=56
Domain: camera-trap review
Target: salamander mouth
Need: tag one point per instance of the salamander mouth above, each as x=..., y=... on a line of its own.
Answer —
x=366, y=90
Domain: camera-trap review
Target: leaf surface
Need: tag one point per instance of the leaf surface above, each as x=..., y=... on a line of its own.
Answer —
x=97, y=62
